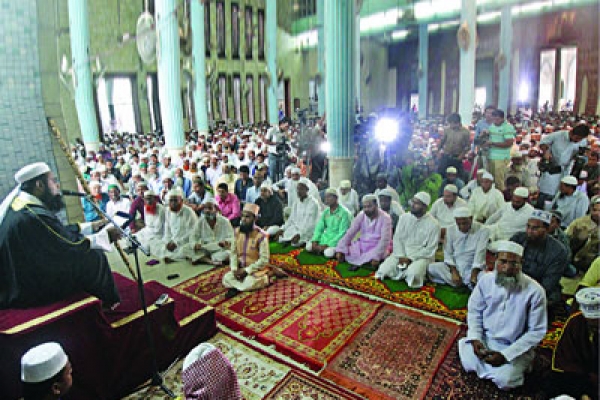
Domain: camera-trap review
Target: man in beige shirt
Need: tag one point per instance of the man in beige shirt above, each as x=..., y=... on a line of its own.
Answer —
x=455, y=144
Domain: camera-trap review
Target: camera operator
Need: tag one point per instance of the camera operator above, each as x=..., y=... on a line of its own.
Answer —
x=564, y=146
x=277, y=141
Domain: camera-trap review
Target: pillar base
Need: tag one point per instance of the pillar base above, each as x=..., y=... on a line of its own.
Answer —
x=92, y=146
x=340, y=168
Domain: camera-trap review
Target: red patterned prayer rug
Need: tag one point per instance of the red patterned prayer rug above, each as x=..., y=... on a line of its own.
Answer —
x=395, y=356
x=452, y=382
x=315, y=331
x=207, y=287
x=301, y=385
x=253, y=312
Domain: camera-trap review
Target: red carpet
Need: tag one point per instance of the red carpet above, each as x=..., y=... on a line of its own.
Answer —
x=253, y=312
x=315, y=331
x=395, y=356
x=207, y=287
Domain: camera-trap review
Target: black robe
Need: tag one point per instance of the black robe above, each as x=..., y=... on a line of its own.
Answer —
x=271, y=212
x=43, y=261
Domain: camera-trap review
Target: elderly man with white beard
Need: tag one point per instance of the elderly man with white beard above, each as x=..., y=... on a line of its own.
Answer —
x=179, y=228
x=348, y=197
x=464, y=252
x=415, y=243
x=151, y=234
x=212, y=237
x=507, y=319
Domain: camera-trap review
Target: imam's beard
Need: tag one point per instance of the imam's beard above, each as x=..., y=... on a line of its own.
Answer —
x=246, y=228
x=54, y=202
x=210, y=216
x=510, y=283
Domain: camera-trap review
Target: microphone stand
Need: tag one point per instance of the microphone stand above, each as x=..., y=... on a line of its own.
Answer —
x=157, y=378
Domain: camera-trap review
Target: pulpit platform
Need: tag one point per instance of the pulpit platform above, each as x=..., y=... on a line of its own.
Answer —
x=108, y=350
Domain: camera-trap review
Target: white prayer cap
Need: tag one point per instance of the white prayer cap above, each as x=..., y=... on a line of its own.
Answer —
x=31, y=171
x=369, y=197
x=331, y=191
x=461, y=212
x=481, y=171
x=386, y=192
x=423, y=197
x=345, y=184
x=94, y=184
x=506, y=246
x=101, y=168
x=305, y=182
x=267, y=186
x=148, y=193
x=451, y=188
x=175, y=192
x=451, y=170
x=209, y=200
x=542, y=215
x=521, y=192
x=589, y=302
x=569, y=180
x=296, y=170
x=42, y=362
x=583, y=174
x=488, y=176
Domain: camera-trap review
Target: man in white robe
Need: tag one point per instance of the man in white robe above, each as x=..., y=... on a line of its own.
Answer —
x=300, y=226
x=473, y=184
x=512, y=217
x=507, y=319
x=212, y=238
x=415, y=243
x=464, y=252
x=443, y=208
x=571, y=203
x=150, y=236
x=292, y=194
x=180, y=221
x=117, y=204
x=486, y=199
x=348, y=197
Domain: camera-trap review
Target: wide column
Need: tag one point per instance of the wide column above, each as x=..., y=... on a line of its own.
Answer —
x=340, y=25
x=199, y=65
x=84, y=100
x=466, y=99
x=423, y=69
x=169, y=76
x=506, y=37
x=357, y=89
x=321, y=55
x=271, y=33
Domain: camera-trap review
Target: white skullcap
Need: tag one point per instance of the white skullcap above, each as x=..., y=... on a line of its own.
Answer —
x=42, y=362
x=451, y=188
x=569, y=180
x=210, y=200
x=94, y=184
x=296, y=170
x=31, y=171
x=542, y=215
x=386, y=192
x=267, y=185
x=506, y=246
x=481, y=171
x=305, y=182
x=175, y=192
x=461, y=212
x=487, y=175
x=423, y=197
x=331, y=191
x=101, y=168
x=369, y=197
x=148, y=193
x=521, y=192
x=345, y=184
x=451, y=170
x=583, y=174
x=589, y=302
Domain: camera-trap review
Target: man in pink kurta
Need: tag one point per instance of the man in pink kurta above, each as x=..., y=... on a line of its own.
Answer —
x=228, y=204
x=373, y=244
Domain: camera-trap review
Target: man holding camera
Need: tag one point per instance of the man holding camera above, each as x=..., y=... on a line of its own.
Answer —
x=276, y=139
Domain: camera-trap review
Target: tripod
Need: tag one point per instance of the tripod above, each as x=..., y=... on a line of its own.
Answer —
x=157, y=379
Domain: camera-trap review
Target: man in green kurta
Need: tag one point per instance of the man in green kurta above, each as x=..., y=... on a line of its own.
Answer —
x=331, y=227
x=419, y=178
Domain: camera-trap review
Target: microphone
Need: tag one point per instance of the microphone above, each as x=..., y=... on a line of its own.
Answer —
x=71, y=193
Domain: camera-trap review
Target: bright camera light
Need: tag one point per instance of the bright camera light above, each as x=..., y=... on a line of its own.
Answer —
x=386, y=130
x=325, y=147
x=524, y=92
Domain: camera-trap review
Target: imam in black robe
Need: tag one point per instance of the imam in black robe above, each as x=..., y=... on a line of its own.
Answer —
x=43, y=261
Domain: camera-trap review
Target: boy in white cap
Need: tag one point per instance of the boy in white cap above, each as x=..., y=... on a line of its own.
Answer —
x=415, y=243
x=42, y=261
x=46, y=372
x=507, y=319
x=348, y=197
x=485, y=200
x=465, y=248
x=512, y=217
x=569, y=201
x=180, y=221
x=331, y=227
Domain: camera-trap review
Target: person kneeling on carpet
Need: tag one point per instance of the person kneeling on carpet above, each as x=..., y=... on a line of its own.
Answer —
x=507, y=319
x=249, y=257
x=208, y=375
x=332, y=225
x=46, y=372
